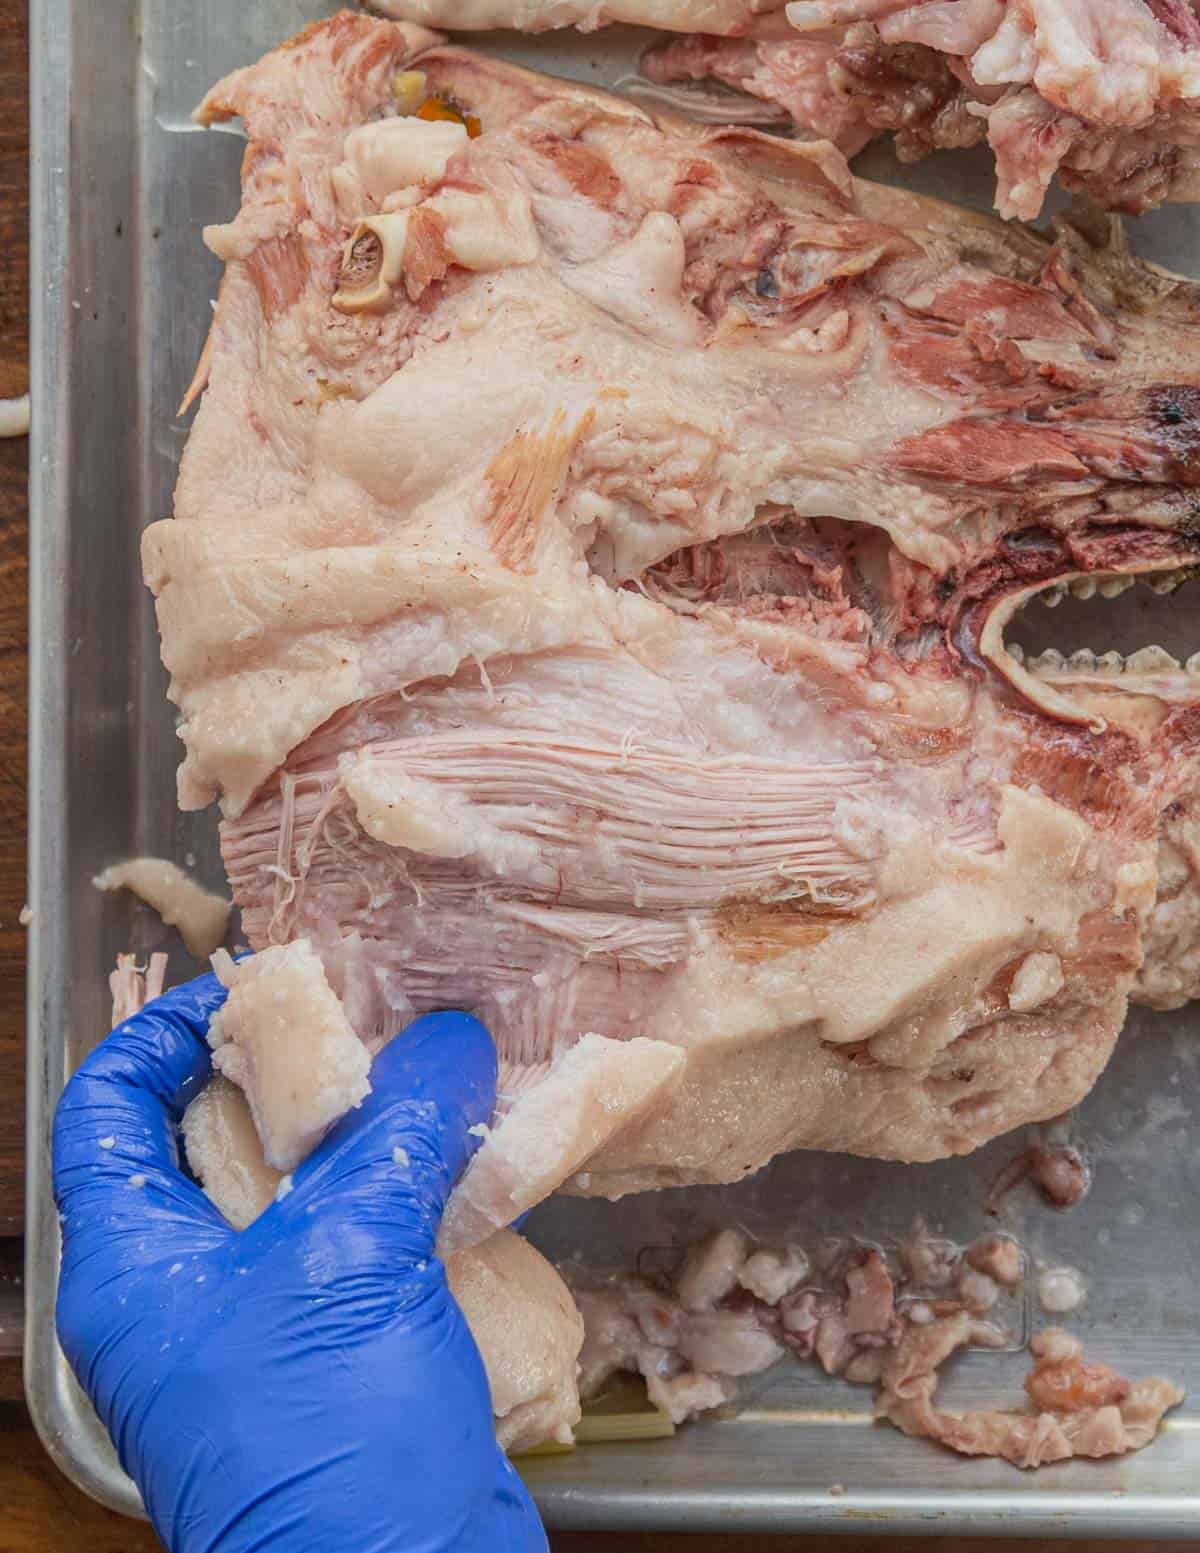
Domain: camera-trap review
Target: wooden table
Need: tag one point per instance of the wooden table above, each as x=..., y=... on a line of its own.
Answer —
x=39, y=1510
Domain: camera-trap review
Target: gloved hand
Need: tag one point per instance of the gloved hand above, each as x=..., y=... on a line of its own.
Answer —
x=309, y=1383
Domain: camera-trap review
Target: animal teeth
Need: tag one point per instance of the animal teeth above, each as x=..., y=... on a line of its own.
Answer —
x=1193, y=664
x=1083, y=588
x=1113, y=587
x=1053, y=597
x=1082, y=662
x=1164, y=582
x=1111, y=663
x=1017, y=653
x=1150, y=660
x=1049, y=662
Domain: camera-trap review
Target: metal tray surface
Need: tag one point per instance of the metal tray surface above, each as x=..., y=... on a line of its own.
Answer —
x=121, y=188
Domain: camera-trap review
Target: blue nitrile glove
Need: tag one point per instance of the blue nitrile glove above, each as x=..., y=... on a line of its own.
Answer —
x=308, y=1384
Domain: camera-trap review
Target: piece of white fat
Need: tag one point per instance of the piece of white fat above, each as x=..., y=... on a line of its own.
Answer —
x=1060, y=1289
x=284, y=1040
x=404, y=811
x=711, y=1269
x=485, y=233
x=14, y=417
x=772, y=1275
x=424, y=816
x=225, y=1155
x=592, y=1091
x=1038, y=978
x=529, y=1333
x=391, y=154
x=200, y=916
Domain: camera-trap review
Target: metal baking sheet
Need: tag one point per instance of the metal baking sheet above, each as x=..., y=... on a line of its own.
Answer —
x=121, y=187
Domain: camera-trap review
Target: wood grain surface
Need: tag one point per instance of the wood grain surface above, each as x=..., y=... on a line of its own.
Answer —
x=14, y=379
x=40, y=1512
x=14, y=376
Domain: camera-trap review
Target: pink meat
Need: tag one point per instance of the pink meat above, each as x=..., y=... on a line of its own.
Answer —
x=1082, y=1410
x=586, y=591
x=997, y=1257
x=870, y=1305
x=133, y=986
x=691, y=1359
x=791, y=74
x=1103, y=94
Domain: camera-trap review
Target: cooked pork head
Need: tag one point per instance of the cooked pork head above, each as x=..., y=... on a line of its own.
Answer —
x=588, y=592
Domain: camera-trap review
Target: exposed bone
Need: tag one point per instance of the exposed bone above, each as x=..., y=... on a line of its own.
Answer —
x=1084, y=588
x=993, y=648
x=1029, y=675
x=372, y=263
x=1150, y=660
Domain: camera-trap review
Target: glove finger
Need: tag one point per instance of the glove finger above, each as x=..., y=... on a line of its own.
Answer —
x=116, y=1150
x=514, y=1525
x=389, y=1165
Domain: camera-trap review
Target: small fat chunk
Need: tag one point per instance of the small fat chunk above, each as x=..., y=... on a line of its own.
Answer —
x=1038, y=978
x=200, y=916
x=711, y=1269
x=283, y=1038
x=999, y=1258
x=772, y=1275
